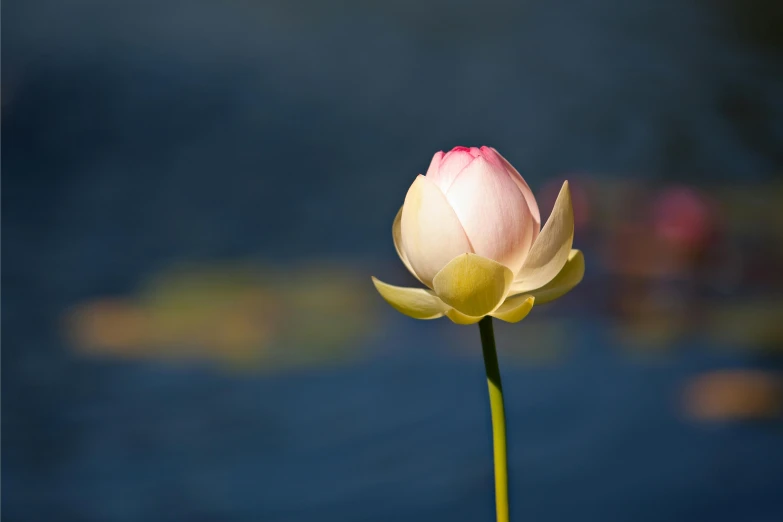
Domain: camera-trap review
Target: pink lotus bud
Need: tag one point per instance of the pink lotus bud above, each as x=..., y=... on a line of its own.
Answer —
x=470, y=230
x=482, y=205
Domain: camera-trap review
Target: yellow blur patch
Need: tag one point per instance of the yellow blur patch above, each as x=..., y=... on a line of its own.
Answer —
x=472, y=284
x=413, y=302
x=514, y=309
x=239, y=315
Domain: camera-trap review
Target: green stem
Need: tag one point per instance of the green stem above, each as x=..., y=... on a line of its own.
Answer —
x=498, y=417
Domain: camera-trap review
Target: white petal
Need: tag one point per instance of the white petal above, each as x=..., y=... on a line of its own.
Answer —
x=525, y=189
x=431, y=232
x=551, y=249
x=493, y=212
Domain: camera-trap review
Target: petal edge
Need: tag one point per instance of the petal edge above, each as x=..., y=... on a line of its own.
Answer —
x=514, y=309
x=397, y=236
x=460, y=318
x=413, y=302
x=570, y=276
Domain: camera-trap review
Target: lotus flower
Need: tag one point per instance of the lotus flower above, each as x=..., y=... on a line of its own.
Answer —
x=470, y=231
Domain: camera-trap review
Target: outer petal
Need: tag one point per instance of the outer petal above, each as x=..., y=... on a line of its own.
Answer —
x=452, y=163
x=459, y=318
x=525, y=189
x=397, y=235
x=551, y=250
x=514, y=309
x=413, y=302
x=493, y=212
x=569, y=277
x=432, y=171
x=472, y=284
x=431, y=232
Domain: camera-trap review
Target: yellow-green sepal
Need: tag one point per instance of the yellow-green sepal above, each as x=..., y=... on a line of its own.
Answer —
x=472, y=285
x=515, y=308
x=459, y=318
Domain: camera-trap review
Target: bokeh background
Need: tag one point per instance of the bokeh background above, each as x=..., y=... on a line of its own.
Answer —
x=195, y=195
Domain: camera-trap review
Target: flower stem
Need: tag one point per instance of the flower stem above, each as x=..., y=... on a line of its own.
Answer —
x=498, y=417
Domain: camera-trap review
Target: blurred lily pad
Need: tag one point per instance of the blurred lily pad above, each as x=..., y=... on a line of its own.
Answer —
x=241, y=315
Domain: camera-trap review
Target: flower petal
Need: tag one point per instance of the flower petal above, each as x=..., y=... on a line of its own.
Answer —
x=472, y=284
x=493, y=213
x=431, y=232
x=397, y=235
x=551, y=250
x=514, y=309
x=525, y=189
x=432, y=171
x=451, y=164
x=413, y=302
x=569, y=277
x=460, y=318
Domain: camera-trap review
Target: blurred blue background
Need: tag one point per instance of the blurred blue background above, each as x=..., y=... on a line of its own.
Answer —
x=195, y=195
